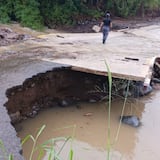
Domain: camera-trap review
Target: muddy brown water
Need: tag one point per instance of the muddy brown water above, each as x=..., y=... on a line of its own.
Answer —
x=90, y=123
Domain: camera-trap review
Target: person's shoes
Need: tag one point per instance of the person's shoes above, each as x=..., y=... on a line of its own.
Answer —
x=103, y=41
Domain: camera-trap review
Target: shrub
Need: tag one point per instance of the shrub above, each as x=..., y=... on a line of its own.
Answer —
x=28, y=14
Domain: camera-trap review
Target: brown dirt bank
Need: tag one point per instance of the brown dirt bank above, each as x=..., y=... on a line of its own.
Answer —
x=12, y=33
x=118, y=23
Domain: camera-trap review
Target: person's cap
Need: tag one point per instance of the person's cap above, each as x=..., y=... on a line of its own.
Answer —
x=107, y=15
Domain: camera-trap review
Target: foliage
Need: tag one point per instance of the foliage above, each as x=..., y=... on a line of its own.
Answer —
x=130, y=8
x=27, y=12
x=37, y=13
x=4, y=154
x=59, y=14
x=49, y=147
x=5, y=11
x=123, y=8
x=95, y=13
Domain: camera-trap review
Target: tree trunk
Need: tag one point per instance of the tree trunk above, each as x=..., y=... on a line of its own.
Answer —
x=142, y=10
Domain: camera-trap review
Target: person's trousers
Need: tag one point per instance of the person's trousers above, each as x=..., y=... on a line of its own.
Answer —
x=105, y=31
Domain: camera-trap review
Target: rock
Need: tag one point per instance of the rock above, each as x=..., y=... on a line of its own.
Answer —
x=32, y=114
x=15, y=117
x=146, y=90
x=131, y=120
x=155, y=80
x=66, y=102
x=92, y=100
x=63, y=103
x=141, y=89
x=18, y=128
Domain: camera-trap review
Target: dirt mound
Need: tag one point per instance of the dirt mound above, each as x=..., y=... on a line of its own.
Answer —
x=8, y=36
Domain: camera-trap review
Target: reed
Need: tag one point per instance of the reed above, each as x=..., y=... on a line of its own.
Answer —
x=109, y=111
x=34, y=141
x=4, y=155
x=109, y=145
x=122, y=112
x=49, y=145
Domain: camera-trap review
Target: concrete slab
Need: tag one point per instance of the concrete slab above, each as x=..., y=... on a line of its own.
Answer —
x=129, y=53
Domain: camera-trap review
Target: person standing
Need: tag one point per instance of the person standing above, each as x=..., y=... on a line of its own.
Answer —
x=105, y=26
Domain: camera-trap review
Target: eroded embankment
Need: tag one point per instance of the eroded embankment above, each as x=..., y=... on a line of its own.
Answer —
x=62, y=87
x=59, y=87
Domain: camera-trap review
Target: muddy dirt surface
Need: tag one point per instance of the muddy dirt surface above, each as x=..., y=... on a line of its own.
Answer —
x=118, y=23
x=14, y=34
x=17, y=64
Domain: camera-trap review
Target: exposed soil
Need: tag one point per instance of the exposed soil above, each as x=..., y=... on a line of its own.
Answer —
x=13, y=33
x=118, y=23
x=60, y=87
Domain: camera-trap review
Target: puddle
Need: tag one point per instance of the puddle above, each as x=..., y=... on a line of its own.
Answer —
x=90, y=121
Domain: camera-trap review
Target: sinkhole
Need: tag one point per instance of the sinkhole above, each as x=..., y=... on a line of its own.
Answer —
x=61, y=87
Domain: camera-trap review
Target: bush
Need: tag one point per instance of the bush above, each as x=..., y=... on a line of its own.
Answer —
x=5, y=11
x=58, y=13
x=28, y=14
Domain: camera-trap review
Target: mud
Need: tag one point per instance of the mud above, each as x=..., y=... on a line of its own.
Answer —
x=59, y=87
x=14, y=33
x=63, y=87
x=8, y=37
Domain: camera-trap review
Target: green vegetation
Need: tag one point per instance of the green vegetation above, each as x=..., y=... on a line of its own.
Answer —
x=37, y=13
x=49, y=145
x=4, y=154
x=109, y=110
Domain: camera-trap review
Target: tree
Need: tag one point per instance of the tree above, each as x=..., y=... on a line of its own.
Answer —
x=6, y=10
x=28, y=14
x=148, y=4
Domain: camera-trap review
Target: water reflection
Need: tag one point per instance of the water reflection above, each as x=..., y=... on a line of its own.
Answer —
x=84, y=151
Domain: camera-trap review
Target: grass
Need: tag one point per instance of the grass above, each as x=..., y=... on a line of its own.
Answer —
x=34, y=141
x=122, y=113
x=109, y=145
x=4, y=155
x=49, y=145
x=109, y=111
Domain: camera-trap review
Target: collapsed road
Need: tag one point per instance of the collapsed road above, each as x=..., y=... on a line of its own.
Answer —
x=26, y=79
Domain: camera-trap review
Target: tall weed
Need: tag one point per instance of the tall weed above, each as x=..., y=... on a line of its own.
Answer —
x=109, y=110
